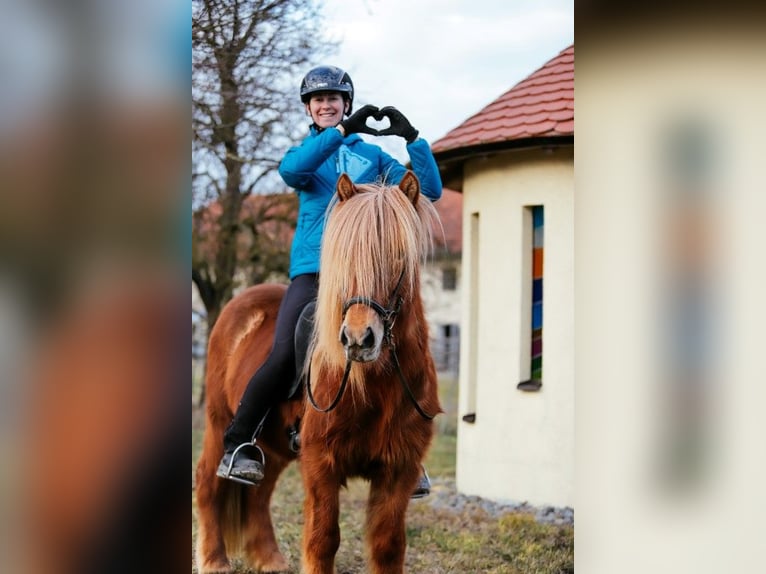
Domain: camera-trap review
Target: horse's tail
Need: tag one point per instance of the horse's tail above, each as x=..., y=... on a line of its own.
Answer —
x=220, y=507
x=233, y=518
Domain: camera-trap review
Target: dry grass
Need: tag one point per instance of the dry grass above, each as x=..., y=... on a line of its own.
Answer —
x=440, y=539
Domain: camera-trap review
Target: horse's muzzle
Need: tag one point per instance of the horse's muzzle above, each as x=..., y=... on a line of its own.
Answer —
x=360, y=345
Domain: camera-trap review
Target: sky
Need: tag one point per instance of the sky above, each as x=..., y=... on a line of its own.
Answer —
x=441, y=61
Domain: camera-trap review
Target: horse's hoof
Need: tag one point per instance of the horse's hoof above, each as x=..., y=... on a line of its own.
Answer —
x=216, y=567
x=275, y=566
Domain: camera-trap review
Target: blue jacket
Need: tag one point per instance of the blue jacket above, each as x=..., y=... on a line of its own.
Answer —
x=313, y=168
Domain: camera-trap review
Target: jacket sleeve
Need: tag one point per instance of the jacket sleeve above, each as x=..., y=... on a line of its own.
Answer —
x=424, y=166
x=300, y=163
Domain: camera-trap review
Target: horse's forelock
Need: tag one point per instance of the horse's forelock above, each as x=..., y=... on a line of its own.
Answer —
x=369, y=240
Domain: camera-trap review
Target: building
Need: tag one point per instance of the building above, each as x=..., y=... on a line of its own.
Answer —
x=441, y=283
x=513, y=161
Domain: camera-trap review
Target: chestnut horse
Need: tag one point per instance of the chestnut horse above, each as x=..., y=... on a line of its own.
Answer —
x=371, y=382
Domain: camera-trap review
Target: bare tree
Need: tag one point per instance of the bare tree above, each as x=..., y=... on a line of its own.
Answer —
x=266, y=226
x=247, y=59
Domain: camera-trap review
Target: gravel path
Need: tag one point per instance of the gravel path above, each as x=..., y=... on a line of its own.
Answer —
x=444, y=496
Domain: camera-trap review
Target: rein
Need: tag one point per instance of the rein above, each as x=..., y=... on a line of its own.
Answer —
x=388, y=316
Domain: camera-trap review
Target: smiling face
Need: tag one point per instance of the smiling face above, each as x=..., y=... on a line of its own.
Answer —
x=326, y=108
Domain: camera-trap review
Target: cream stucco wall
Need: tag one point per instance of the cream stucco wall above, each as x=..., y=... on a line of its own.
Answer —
x=521, y=446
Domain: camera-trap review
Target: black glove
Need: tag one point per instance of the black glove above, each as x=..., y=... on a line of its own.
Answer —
x=400, y=126
x=357, y=122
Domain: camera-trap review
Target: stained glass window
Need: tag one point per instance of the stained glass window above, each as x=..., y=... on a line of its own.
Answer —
x=535, y=243
x=538, y=225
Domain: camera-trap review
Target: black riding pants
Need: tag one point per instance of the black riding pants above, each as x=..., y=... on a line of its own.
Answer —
x=272, y=380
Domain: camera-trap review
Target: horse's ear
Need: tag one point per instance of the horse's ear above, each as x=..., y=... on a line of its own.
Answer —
x=410, y=185
x=345, y=187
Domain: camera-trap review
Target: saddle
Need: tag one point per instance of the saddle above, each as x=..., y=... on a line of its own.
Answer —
x=302, y=340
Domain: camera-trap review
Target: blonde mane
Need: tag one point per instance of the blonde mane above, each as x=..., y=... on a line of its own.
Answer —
x=369, y=240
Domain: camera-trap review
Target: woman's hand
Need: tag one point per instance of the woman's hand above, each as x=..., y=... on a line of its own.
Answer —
x=400, y=125
x=357, y=122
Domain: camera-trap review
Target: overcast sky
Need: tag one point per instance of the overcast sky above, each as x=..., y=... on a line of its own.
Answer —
x=441, y=61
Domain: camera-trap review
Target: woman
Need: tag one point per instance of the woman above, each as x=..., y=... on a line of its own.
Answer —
x=332, y=147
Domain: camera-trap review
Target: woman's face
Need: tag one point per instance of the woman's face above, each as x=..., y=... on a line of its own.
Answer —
x=326, y=109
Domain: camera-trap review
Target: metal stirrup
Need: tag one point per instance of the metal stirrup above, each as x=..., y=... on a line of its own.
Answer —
x=235, y=478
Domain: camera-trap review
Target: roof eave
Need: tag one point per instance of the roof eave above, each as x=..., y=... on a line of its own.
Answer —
x=451, y=161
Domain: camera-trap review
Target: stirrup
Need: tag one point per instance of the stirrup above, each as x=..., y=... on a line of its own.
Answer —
x=234, y=454
x=423, y=487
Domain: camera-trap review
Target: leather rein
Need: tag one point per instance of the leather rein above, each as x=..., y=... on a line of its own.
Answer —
x=388, y=317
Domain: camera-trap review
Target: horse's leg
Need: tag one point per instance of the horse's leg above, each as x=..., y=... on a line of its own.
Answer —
x=211, y=500
x=321, y=532
x=386, y=510
x=261, y=548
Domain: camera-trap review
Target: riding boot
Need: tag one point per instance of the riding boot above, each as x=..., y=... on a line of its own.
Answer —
x=240, y=461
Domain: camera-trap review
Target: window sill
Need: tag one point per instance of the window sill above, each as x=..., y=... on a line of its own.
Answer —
x=530, y=386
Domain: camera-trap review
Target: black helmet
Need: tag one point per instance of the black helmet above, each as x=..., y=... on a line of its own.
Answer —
x=327, y=79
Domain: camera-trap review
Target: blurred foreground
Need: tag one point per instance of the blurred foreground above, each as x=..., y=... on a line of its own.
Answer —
x=670, y=203
x=94, y=216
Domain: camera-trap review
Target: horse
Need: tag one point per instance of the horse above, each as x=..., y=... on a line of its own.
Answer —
x=368, y=397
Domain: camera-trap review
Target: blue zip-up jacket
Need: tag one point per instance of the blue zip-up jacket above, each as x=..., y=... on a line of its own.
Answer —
x=313, y=168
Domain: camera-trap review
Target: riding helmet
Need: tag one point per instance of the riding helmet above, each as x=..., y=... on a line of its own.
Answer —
x=328, y=79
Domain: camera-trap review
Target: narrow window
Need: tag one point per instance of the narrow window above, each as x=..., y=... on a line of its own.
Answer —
x=537, y=245
x=473, y=360
x=449, y=279
x=447, y=348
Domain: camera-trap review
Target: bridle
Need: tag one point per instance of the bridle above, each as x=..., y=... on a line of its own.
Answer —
x=387, y=314
x=388, y=317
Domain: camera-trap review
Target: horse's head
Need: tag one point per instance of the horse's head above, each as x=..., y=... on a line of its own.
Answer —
x=388, y=238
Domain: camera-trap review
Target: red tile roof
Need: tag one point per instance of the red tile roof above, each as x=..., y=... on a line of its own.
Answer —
x=542, y=105
x=450, y=210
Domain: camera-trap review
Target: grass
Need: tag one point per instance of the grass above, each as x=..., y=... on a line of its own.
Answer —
x=440, y=540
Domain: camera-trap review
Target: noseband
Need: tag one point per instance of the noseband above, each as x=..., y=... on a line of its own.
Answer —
x=387, y=314
x=388, y=317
